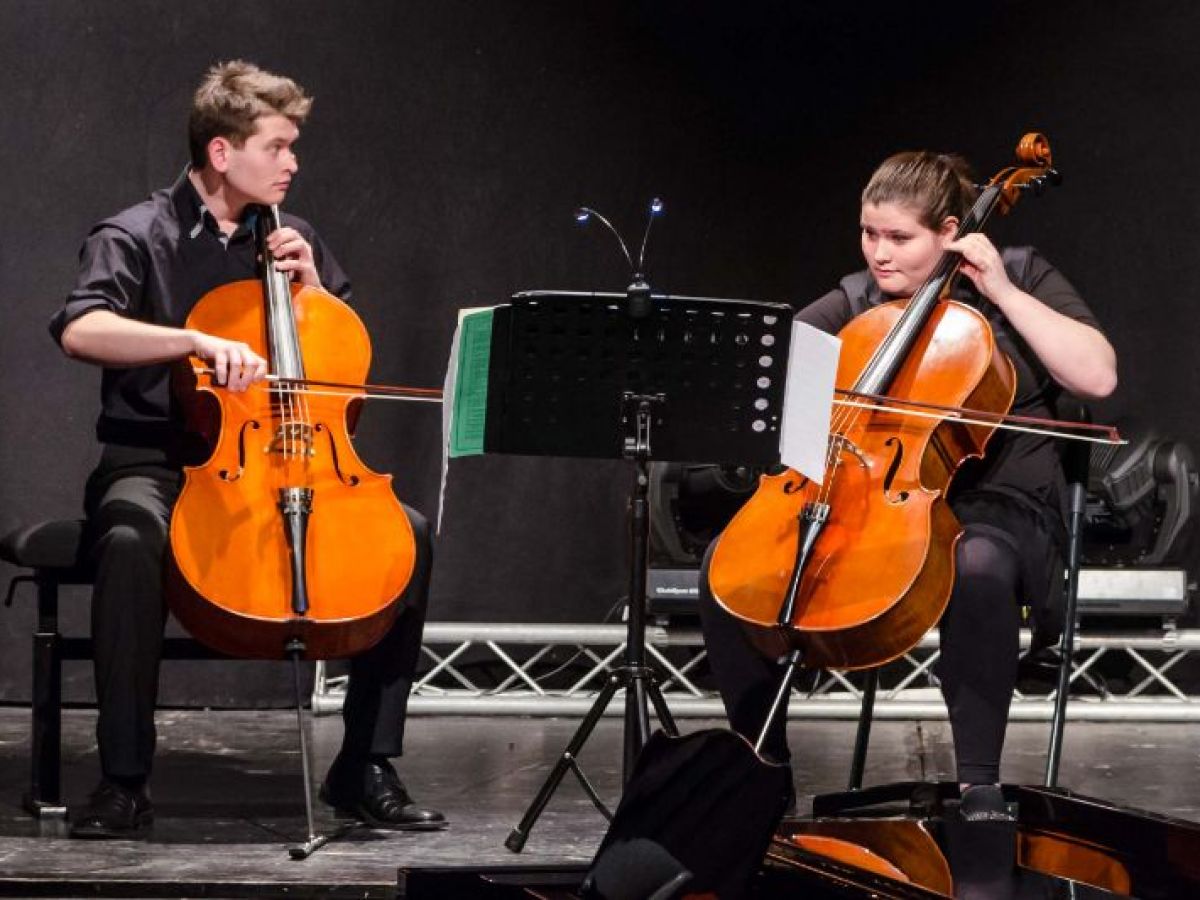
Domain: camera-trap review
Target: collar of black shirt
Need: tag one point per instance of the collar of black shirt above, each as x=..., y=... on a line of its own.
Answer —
x=195, y=217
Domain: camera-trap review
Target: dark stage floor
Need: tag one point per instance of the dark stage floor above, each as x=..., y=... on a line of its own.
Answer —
x=228, y=801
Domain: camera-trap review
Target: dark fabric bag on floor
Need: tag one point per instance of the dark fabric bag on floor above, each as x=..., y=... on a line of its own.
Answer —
x=704, y=804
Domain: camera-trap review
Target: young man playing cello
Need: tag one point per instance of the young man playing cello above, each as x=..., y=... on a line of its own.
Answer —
x=1009, y=502
x=140, y=273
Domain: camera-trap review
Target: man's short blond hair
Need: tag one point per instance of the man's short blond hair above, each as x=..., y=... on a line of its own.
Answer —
x=231, y=99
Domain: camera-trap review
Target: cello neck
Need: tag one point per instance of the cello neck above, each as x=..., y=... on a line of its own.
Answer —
x=947, y=268
x=283, y=339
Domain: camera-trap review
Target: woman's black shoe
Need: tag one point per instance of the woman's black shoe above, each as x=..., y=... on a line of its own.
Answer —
x=114, y=811
x=375, y=794
x=984, y=803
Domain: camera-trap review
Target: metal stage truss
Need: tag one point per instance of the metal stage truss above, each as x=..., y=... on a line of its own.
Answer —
x=523, y=668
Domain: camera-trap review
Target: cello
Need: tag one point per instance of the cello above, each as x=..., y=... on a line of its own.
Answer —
x=851, y=572
x=283, y=541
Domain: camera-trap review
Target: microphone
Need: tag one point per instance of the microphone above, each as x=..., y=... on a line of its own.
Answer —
x=638, y=293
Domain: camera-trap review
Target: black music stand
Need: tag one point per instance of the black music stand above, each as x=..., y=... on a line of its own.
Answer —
x=594, y=375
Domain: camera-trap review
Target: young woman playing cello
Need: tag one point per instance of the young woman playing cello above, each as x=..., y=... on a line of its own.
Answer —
x=1009, y=502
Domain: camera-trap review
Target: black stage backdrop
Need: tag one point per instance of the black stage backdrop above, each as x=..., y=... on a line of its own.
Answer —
x=451, y=140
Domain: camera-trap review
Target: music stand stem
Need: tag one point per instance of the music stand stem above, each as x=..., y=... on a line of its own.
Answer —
x=633, y=674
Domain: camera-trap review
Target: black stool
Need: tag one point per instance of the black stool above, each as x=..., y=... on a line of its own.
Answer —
x=56, y=554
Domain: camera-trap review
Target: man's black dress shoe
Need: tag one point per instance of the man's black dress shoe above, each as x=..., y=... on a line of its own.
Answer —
x=374, y=793
x=114, y=811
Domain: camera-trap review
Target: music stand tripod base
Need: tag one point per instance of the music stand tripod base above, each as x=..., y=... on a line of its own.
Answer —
x=633, y=675
x=568, y=760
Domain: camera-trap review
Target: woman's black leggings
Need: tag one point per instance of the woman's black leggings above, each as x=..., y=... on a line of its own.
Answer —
x=977, y=668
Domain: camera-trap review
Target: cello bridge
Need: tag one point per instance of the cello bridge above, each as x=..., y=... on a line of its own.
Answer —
x=292, y=439
x=842, y=444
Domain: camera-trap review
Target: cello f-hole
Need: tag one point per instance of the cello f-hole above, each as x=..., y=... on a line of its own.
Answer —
x=348, y=480
x=893, y=467
x=794, y=487
x=225, y=474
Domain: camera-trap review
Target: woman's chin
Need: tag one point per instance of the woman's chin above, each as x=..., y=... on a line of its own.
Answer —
x=892, y=283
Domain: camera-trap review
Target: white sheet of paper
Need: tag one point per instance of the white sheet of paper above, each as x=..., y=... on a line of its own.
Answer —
x=808, y=400
x=447, y=420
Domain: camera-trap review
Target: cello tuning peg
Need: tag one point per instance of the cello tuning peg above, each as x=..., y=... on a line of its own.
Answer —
x=1055, y=176
x=1039, y=186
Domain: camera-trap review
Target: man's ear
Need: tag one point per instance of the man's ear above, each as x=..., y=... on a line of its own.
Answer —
x=218, y=153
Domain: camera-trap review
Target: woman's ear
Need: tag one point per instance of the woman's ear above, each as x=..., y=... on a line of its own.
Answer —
x=948, y=229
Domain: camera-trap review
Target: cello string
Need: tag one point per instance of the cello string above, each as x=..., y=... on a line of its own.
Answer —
x=836, y=429
x=280, y=402
x=289, y=431
x=306, y=434
x=285, y=359
x=285, y=342
x=289, y=401
x=833, y=456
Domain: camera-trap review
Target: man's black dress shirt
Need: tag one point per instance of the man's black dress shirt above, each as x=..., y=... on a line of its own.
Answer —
x=153, y=262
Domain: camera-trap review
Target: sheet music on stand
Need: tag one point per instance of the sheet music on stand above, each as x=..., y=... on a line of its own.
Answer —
x=558, y=364
x=544, y=375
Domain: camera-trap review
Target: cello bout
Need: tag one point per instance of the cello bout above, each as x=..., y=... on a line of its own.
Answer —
x=283, y=532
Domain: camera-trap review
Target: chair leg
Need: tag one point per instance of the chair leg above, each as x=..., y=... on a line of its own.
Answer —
x=1078, y=497
x=45, y=788
x=862, y=738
